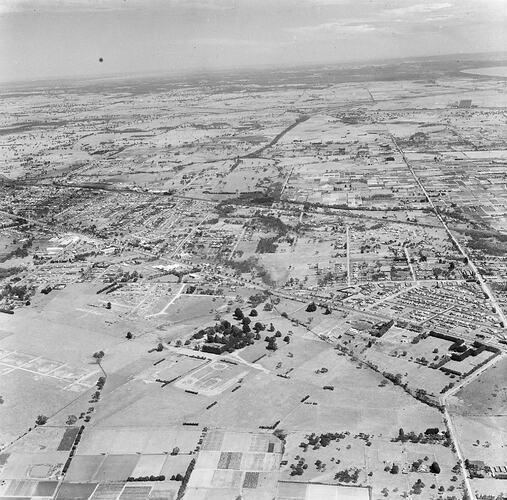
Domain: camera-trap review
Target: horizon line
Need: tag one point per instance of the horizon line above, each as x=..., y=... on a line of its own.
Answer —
x=185, y=73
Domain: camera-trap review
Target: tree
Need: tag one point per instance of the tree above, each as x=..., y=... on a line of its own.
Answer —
x=286, y=339
x=395, y=469
x=175, y=451
x=108, y=305
x=129, y=336
x=272, y=344
x=160, y=347
x=258, y=327
x=435, y=468
x=432, y=431
x=98, y=355
x=311, y=307
x=71, y=420
x=41, y=420
x=253, y=312
x=238, y=314
x=280, y=434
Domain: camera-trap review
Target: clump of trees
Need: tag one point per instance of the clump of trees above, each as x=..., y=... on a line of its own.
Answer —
x=100, y=385
x=273, y=224
x=41, y=420
x=347, y=476
x=435, y=468
x=417, y=487
x=19, y=252
x=238, y=336
x=318, y=440
x=16, y=292
x=233, y=337
x=98, y=356
x=431, y=435
x=272, y=345
x=151, y=478
x=260, y=297
x=71, y=420
x=311, y=307
x=280, y=434
x=267, y=245
x=298, y=468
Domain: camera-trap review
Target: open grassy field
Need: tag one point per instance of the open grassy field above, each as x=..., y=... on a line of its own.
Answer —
x=18, y=413
x=301, y=491
x=143, y=440
x=486, y=395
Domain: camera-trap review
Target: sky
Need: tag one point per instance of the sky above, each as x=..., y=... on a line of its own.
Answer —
x=41, y=39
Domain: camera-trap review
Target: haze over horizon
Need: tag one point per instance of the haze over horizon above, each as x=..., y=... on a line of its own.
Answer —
x=46, y=39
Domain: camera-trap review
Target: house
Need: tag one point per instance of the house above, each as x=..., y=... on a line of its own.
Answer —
x=214, y=348
x=499, y=472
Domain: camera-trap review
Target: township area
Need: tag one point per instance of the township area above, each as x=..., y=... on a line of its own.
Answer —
x=280, y=285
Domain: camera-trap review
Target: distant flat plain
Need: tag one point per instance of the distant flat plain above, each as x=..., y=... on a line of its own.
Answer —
x=492, y=71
